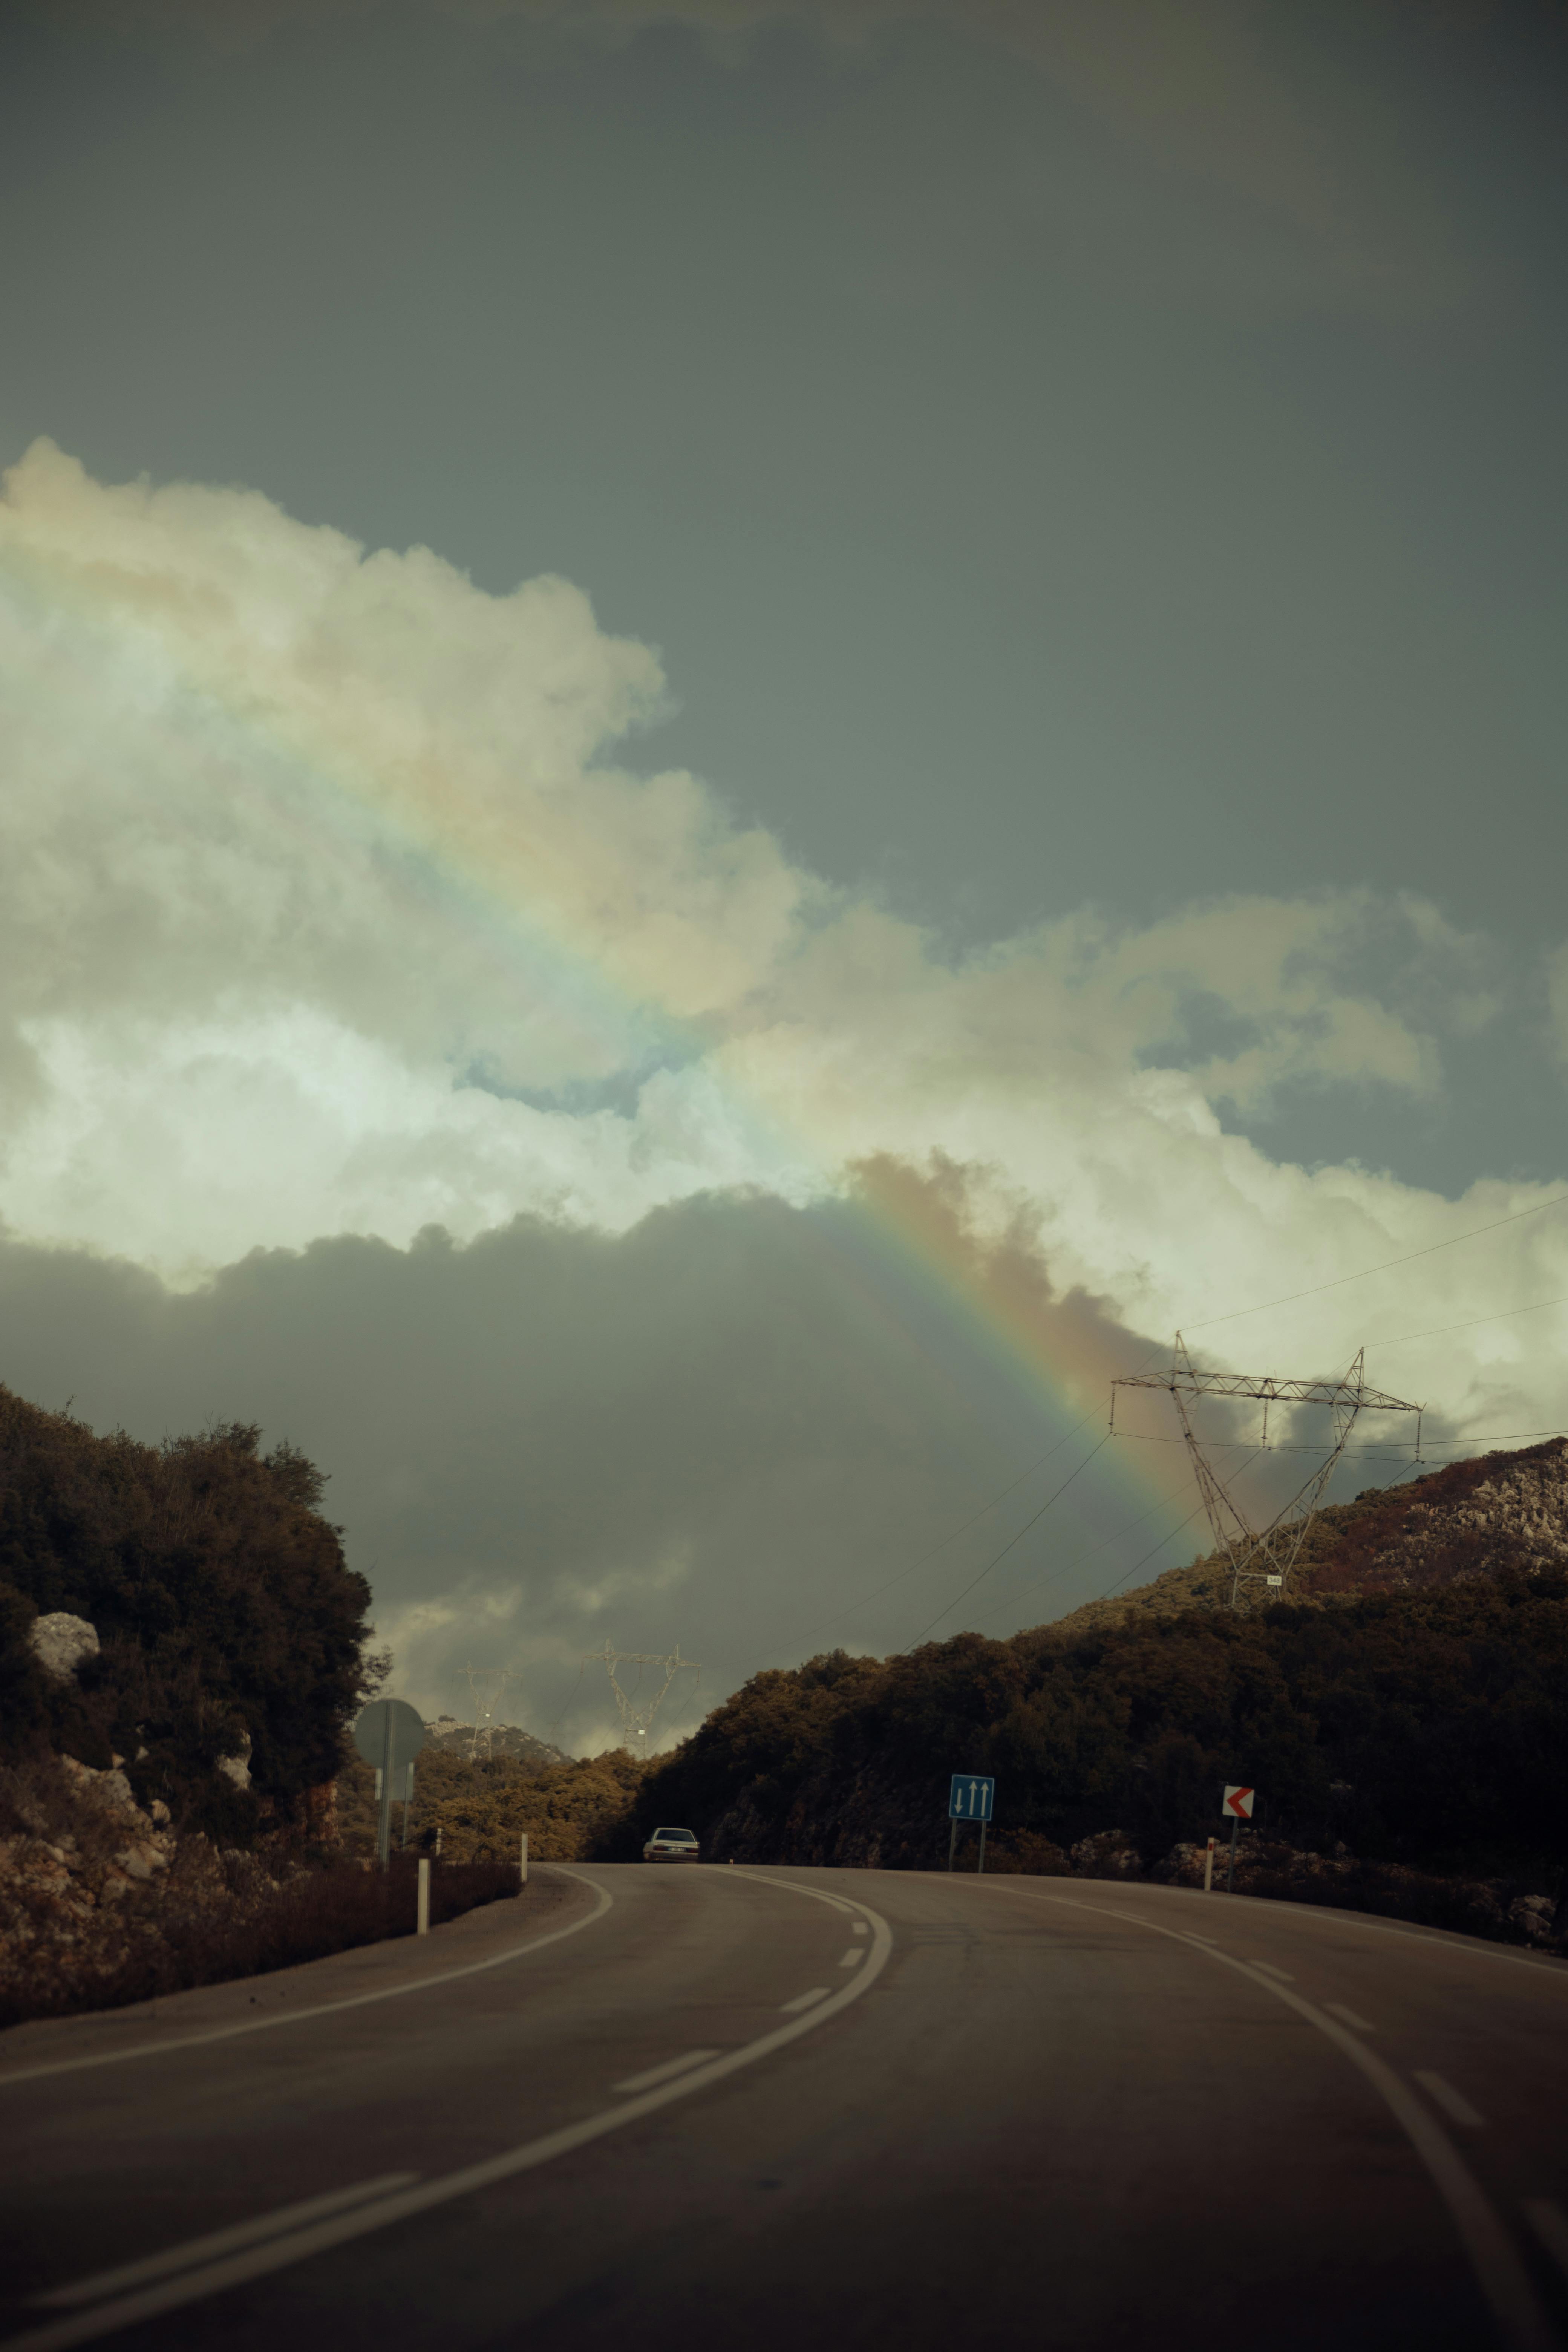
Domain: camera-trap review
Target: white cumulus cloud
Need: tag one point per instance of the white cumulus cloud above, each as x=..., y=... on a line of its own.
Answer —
x=330, y=902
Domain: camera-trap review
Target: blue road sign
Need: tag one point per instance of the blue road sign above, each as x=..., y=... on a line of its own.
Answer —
x=969, y=1797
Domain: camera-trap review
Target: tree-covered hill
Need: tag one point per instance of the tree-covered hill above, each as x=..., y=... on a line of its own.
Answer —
x=1427, y=1728
x=225, y=1611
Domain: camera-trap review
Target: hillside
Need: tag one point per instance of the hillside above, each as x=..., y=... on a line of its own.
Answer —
x=1482, y=1517
x=1406, y=1713
x=504, y=1739
x=479, y=1807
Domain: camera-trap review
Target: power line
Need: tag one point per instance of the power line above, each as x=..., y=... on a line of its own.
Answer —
x=1148, y=1555
x=952, y=1536
x=823, y=1622
x=1235, y=1444
x=1007, y=1548
x=1340, y=1280
x=1082, y=1562
x=1505, y=1317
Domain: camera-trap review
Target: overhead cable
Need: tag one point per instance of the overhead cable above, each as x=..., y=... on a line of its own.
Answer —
x=1341, y=1279
x=1008, y=1547
x=1536, y=1307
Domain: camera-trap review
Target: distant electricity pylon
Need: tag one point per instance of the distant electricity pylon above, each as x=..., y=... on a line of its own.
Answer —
x=638, y=1711
x=1264, y=1555
x=485, y=1685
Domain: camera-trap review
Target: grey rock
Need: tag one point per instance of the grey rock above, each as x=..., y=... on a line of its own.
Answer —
x=62, y=1644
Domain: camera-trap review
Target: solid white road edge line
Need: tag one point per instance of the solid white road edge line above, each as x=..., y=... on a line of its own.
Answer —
x=653, y=2076
x=219, y=2241
x=1349, y=2017
x=279, y=2254
x=321, y=2009
x=1499, y=2273
x=1300, y=1914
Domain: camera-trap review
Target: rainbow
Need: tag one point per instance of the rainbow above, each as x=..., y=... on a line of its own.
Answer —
x=442, y=829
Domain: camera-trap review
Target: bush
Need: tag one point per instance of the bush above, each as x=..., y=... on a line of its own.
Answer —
x=218, y=1917
x=227, y=1616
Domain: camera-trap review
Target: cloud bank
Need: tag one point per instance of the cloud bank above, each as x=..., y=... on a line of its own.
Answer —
x=333, y=903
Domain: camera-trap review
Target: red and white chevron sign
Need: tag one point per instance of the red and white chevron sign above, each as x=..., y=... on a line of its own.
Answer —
x=1237, y=1805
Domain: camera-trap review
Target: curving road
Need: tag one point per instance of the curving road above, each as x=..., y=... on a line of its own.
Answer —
x=770, y=2108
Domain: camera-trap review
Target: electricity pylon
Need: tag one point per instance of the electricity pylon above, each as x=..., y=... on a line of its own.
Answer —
x=637, y=1715
x=485, y=1685
x=1264, y=1555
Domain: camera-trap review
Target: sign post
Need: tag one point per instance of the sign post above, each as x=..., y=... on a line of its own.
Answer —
x=389, y=1735
x=969, y=1798
x=1237, y=1805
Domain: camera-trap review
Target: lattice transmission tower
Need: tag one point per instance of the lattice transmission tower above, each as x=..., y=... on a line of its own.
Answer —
x=1263, y=1555
x=486, y=1686
x=639, y=1707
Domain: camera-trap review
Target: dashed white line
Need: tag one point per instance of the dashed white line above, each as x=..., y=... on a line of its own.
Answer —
x=804, y=2000
x=861, y=1929
x=1348, y=2017
x=852, y=1957
x=1270, y=1971
x=1454, y=2104
x=1522, y=2323
x=665, y=2073
x=298, y=2244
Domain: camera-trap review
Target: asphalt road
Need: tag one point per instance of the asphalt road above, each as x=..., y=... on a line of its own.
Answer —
x=765, y=2108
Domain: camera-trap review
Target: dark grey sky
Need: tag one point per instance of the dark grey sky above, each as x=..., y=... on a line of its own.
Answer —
x=1093, y=466
x=1027, y=519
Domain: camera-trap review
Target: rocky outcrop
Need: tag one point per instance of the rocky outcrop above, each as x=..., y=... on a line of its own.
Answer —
x=508, y=1740
x=62, y=1644
x=1496, y=1514
x=79, y=1853
x=1499, y=1908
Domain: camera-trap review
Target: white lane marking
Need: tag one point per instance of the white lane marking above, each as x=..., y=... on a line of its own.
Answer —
x=861, y=1929
x=665, y=2074
x=321, y=2009
x=1349, y=2017
x=804, y=2000
x=1453, y=2103
x=852, y=1957
x=1269, y=1969
x=1297, y=1914
x=1551, y=2226
x=278, y=2253
x=1503, y=2279
x=219, y=2241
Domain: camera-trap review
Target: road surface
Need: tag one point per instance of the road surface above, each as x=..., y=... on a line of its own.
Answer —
x=760, y=2108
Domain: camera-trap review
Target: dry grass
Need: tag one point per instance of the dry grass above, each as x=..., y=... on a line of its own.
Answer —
x=76, y=1933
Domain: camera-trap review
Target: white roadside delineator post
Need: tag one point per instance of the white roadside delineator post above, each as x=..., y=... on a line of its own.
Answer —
x=1208, y=1868
x=522, y=1862
x=422, y=1916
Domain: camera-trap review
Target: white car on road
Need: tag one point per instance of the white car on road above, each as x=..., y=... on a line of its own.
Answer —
x=671, y=1845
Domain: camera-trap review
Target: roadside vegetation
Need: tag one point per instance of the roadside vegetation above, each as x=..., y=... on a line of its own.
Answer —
x=229, y=1625
x=481, y=1808
x=166, y=1815
x=1402, y=1744
x=98, y=1907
